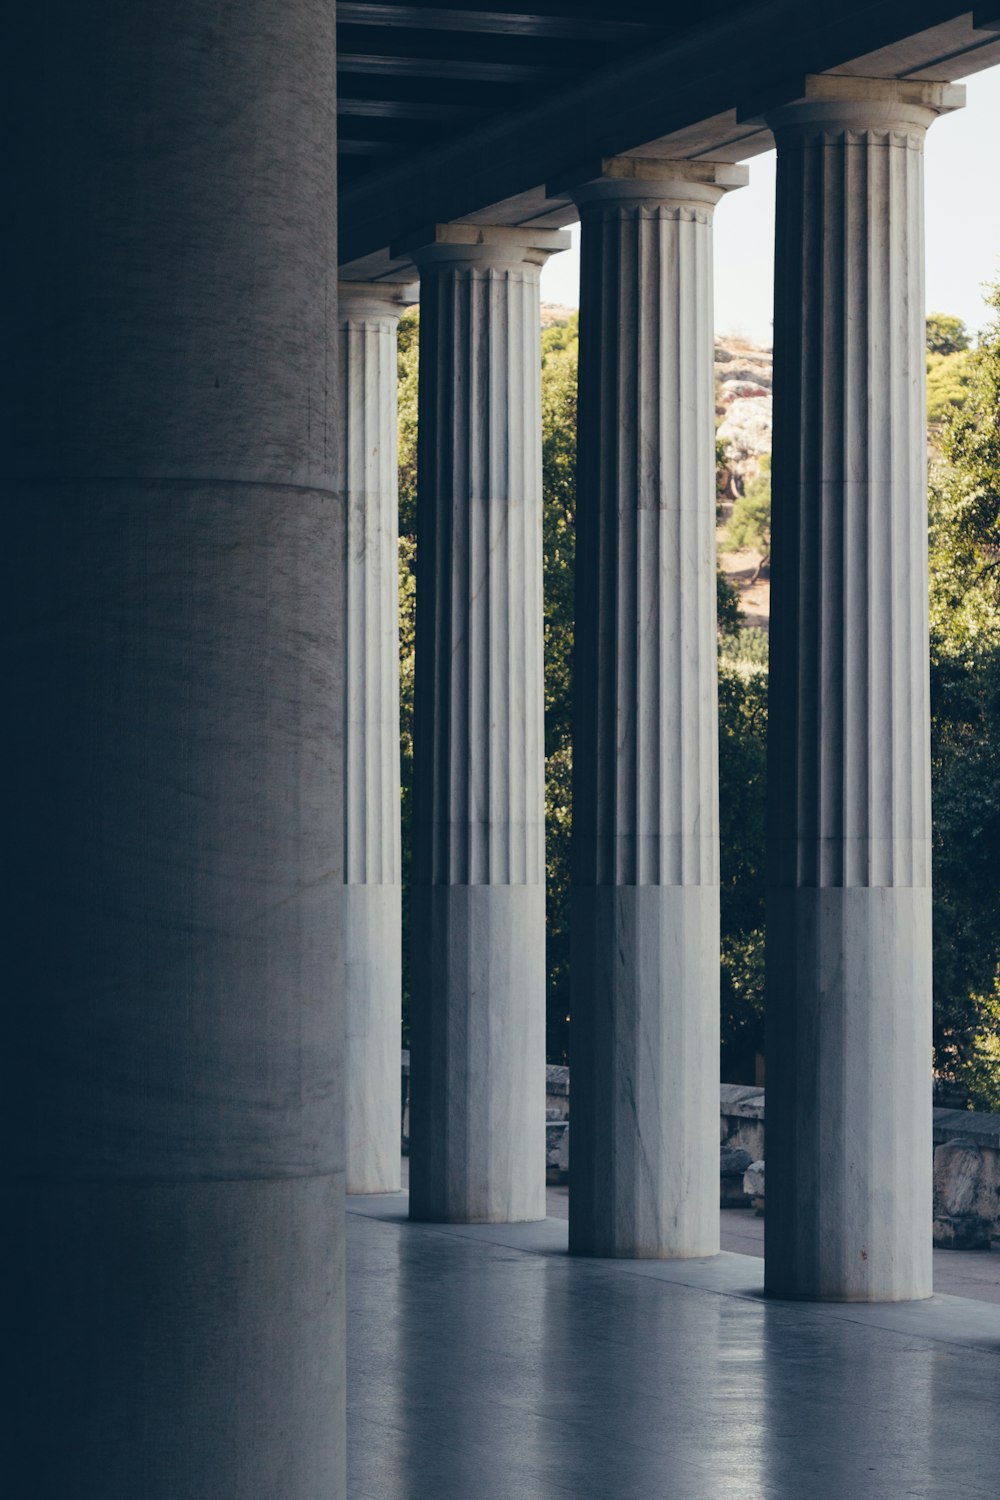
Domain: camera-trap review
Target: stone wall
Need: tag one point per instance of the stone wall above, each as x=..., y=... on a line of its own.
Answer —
x=966, y=1179
x=741, y=1118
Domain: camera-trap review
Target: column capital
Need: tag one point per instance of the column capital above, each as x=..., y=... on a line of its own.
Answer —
x=486, y=245
x=841, y=103
x=645, y=179
x=375, y=299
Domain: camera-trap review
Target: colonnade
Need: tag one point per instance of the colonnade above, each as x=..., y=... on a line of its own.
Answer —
x=203, y=823
x=848, y=944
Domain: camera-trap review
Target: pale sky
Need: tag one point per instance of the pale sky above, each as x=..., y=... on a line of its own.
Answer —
x=963, y=226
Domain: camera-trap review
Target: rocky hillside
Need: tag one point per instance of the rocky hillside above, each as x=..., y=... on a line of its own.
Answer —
x=743, y=409
x=555, y=312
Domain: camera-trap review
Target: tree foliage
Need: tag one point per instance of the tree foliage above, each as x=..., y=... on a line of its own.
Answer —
x=742, y=782
x=965, y=742
x=560, y=345
x=946, y=334
x=409, y=337
x=948, y=380
x=750, y=523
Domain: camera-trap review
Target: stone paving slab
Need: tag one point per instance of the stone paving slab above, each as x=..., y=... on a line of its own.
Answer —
x=484, y=1364
x=957, y=1273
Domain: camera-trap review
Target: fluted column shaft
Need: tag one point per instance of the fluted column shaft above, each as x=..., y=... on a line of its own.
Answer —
x=477, y=1025
x=645, y=1006
x=849, y=904
x=477, y=1118
x=369, y=318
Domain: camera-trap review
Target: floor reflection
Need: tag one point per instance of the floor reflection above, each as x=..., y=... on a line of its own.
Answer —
x=478, y=1371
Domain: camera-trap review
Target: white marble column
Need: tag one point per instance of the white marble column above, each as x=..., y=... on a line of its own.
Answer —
x=645, y=996
x=369, y=318
x=477, y=1133
x=849, y=903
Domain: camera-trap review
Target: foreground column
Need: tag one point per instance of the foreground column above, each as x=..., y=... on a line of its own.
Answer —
x=849, y=905
x=172, y=556
x=645, y=1007
x=477, y=1133
x=369, y=317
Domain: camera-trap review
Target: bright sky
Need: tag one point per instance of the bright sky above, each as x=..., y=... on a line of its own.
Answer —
x=963, y=226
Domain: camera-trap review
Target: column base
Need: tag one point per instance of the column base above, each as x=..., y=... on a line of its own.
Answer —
x=849, y=1144
x=645, y=1072
x=477, y=1054
x=371, y=943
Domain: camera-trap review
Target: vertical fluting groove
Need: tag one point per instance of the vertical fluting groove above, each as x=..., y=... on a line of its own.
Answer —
x=848, y=941
x=371, y=688
x=482, y=527
x=478, y=943
x=369, y=913
x=899, y=741
x=645, y=858
x=480, y=695
x=643, y=783
x=858, y=792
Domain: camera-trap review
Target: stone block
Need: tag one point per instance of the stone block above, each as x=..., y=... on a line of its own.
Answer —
x=556, y=1150
x=959, y=1172
x=961, y=1232
x=556, y=1092
x=753, y=1185
x=742, y=1117
x=958, y=1168
x=563, y=1157
x=733, y=1163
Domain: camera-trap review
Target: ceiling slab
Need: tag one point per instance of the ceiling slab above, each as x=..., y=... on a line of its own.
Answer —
x=681, y=92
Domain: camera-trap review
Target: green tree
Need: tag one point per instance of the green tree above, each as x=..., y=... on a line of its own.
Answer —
x=742, y=774
x=409, y=342
x=750, y=522
x=742, y=781
x=948, y=380
x=946, y=334
x=965, y=737
x=560, y=346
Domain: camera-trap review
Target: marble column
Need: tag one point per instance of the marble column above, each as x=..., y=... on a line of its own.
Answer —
x=849, y=903
x=645, y=963
x=477, y=1131
x=173, y=545
x=369, y=318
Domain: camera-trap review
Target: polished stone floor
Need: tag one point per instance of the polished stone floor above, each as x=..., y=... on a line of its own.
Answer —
x=957, y=1273
x=486, y=1364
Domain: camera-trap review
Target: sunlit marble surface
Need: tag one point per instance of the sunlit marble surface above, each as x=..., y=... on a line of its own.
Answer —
x=486, y=1364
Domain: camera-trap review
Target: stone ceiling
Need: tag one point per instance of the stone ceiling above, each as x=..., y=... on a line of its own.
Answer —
x=489, y=110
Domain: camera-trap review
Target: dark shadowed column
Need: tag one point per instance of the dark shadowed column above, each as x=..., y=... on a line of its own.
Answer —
x=645, y=1031
x=477, y=1134
x=849, y=901
x=172, y=556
